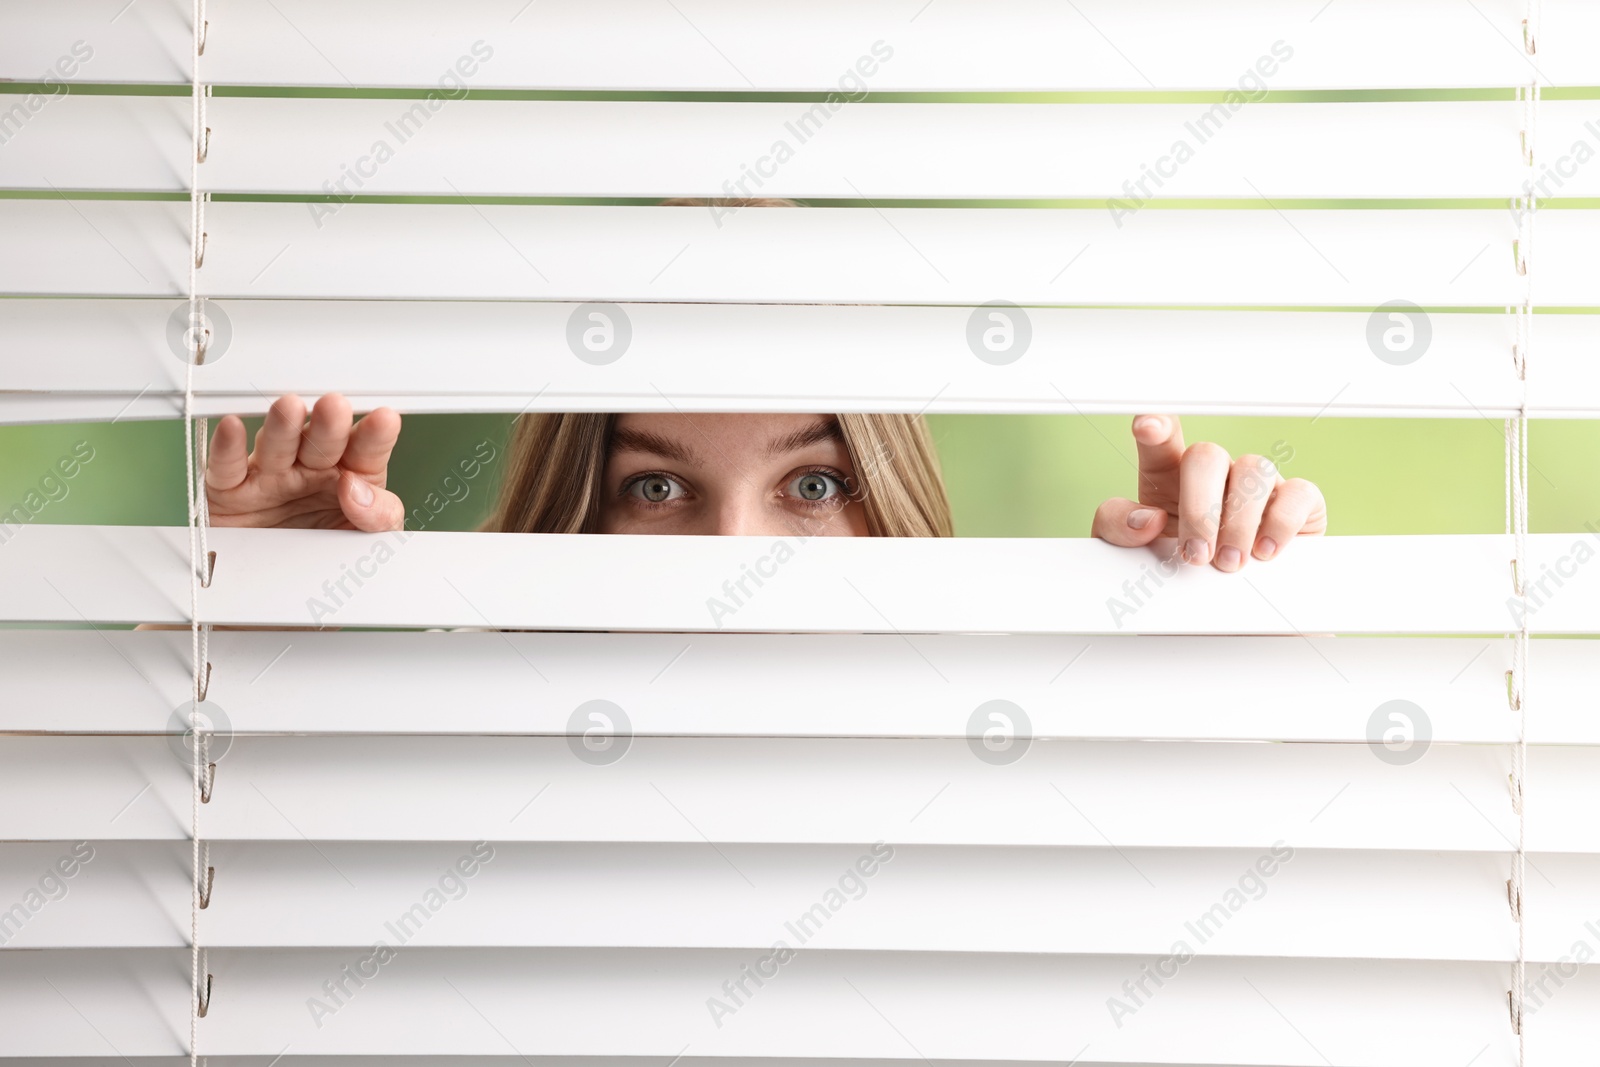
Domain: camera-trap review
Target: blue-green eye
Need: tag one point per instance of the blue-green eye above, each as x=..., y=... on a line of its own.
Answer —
x=815, y=487
x=655, y=489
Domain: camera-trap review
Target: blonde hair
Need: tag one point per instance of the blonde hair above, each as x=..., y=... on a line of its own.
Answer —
x=557, y=462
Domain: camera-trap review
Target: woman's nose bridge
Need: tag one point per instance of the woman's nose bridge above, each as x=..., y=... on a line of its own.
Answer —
x=744, y=510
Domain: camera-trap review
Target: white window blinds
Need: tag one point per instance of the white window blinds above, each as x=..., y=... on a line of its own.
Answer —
x=1055, y=804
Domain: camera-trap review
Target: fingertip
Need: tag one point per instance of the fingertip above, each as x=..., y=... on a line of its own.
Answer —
x=1145, y=525
x=1151, y=429
x=229, y=441
x=228, y=458
x=357, y=490
x=333, y=406
x=1111, y=523
x=386, y=417
x=369, y=509
x=387, y=513
x=1128, y=523
x=285, y=419
x=228, y=427
x=1265, y=548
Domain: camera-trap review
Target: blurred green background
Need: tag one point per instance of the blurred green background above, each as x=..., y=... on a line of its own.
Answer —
x=1008, y=475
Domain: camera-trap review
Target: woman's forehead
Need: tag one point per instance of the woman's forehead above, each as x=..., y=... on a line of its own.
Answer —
x=695, y=438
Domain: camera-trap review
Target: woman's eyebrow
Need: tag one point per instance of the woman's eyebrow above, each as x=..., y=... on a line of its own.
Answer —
x=654, y=444
x=816, y=433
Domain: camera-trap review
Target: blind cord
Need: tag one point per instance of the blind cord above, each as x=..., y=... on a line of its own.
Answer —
x=194, y=440
x=1517, y=523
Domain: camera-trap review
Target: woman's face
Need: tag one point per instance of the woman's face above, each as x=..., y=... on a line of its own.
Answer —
x=772, y=475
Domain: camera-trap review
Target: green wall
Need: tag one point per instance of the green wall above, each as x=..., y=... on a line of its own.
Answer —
x=1022, y=475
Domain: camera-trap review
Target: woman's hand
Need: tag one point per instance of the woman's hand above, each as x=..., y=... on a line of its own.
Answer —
x=323, y=474
x=1221, y=510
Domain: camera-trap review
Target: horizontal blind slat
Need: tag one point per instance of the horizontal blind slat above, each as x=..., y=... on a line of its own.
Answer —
x=964, y=45
x=114, y=359
x=119, y=682
x=1138, y=794
x=820, y=255
x=1453, y=1011
x=881, y=151
x=1455, y=583
x=1310, y=904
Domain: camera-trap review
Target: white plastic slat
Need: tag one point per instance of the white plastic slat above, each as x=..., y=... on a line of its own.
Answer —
x=1458, y=801
x=135, y=1001
x=897, y=1007
x=397, y=1061
x=881, y=151
x=819, y=255
x=143, y=139
x=114, y=359
x=1134, y=794
x=1332, y=905
x=1457, y=583
x=273, y=682
x=725, y=45
x=455, y=1061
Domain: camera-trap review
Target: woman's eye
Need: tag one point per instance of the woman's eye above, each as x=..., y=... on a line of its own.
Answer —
x=656, y=489
x=814, y=487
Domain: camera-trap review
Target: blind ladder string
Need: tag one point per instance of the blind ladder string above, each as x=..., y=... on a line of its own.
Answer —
x=200, y=559
x=1517, y=520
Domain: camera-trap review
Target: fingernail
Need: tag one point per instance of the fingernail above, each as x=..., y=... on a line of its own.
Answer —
x=1266, y=548
x=1141, y=518
x=361, y=491
x=1148, y=422
x=1229, y=558
x=1196, y=551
